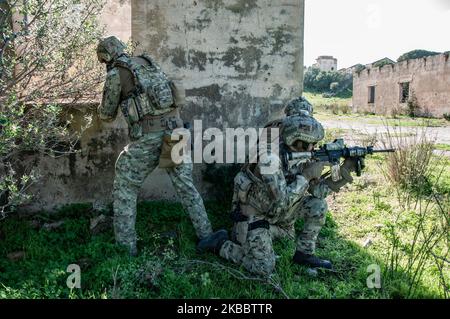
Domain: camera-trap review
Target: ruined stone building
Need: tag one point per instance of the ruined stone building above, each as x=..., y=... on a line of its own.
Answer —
x=326, y=63
x=387, y=89
x=240, y=61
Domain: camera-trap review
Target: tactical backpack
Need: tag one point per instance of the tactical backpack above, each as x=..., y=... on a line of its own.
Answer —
x=153, y=91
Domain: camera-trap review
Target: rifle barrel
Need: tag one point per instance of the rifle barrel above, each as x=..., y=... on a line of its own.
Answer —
x=391, y=150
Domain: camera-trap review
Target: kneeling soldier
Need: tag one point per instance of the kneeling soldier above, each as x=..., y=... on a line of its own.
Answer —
x=266, y=206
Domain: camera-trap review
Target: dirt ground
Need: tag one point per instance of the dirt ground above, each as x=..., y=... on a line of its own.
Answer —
x=353, y=131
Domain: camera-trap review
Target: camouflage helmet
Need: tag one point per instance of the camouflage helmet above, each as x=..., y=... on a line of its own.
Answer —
x=301, y=128
x=110, y=49
x=299, y=106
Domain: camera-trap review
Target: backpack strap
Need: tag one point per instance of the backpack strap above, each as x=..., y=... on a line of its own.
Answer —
x=147, y=58
x=150, y=61
x=124, y=65
x=137, y=88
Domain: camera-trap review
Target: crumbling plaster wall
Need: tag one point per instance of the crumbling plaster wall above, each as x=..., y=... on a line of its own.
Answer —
x=429, y=81
x=239, y=60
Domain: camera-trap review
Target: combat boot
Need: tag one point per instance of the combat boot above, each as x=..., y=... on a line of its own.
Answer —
x=213, y=242
x=311, y=261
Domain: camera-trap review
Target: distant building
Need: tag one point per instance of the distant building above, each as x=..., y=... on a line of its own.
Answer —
x=389, y=88
x=326, y=63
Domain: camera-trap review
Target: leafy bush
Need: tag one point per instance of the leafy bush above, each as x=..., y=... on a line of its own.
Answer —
x=396, y=111
x=415, y=54
x=346, y=109
x=417, y=231
x=334, y=86
x=47, y=58
x=447, y=116
x=382, y=63
x=410, y=167
x=359, y=68
x=414, y=109
x=336, y=83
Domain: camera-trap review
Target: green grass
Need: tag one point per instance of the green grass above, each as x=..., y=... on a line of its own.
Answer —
x=168, y=266
x=400, y=121
x=442, y=147
x=324, y=105
x=404, y=121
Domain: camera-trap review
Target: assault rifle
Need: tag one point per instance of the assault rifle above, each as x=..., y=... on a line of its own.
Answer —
x=332, y=153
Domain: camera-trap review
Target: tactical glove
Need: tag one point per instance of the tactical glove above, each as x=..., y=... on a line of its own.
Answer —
x=346, y=178
x=351, y=164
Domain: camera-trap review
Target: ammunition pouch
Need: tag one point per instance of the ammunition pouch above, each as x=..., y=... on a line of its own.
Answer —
x=140, y=125
x=242, y=186
x=168, y=121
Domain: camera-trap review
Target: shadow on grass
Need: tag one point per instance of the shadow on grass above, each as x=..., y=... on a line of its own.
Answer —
x=167, y=266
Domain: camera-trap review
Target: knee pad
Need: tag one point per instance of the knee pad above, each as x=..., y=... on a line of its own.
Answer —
x=266, y=268
x=261, y=267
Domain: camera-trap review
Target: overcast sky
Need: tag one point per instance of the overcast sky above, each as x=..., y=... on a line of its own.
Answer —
x=363, y=31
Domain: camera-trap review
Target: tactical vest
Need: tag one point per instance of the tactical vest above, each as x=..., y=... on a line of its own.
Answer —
x=151, y=93
x=252, y=192
x=250, y=189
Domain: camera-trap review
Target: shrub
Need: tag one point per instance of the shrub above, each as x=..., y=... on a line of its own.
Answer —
x=359, y=68
x=415, y=54
x=346, y=109
x=447, y=116
x=414, y=109
x=44, y=60
x=335, y=83
x=410, y=167
x=382, y=63
x=334, y=109
x=396, y=112
x=334, y=86
x=328, y=95
x=417, y=231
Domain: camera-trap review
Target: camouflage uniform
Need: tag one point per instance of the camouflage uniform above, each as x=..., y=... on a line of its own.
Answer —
x=273, y=203
x=253, y=249
x=142, y=155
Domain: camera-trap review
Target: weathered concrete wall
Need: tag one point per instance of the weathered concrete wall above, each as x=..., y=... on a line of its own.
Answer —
x=429, y=81
x=116, y=18
x=240, y=61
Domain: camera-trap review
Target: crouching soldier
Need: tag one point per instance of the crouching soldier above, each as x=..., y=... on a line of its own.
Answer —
x=148, y=100
x=266, y=206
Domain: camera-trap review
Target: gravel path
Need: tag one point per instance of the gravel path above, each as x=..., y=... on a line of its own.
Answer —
x=354, y=129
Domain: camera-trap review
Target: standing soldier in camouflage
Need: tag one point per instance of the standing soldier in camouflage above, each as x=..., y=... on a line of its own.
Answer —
x=266, y=206
x=148, y=101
